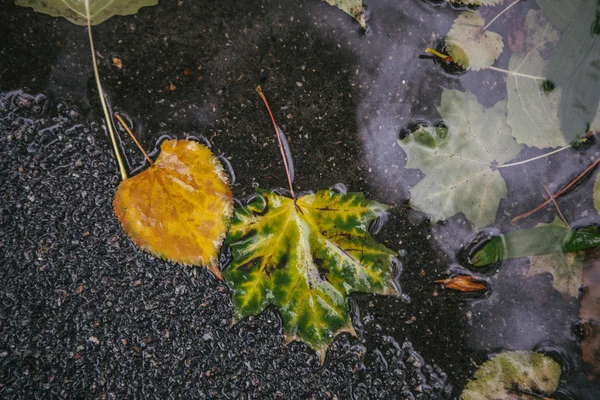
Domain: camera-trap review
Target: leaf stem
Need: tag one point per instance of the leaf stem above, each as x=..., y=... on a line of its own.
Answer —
x=501, y=12
x=509, y=72
x=101, y=94
x=285, y=162
x=435, y=53
x=557, y=207
x=534, y=158
x=527, y=214
x=117, y=116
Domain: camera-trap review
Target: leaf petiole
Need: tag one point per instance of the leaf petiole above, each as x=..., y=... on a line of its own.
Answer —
x=277, y=132
x=435, y=52
x=499, y=14
x=534, y=158
x=509, y=72
x=444, y=57
x=101, y=94
x=117, y=116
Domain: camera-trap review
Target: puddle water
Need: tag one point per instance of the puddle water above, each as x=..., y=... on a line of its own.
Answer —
x=342, y=98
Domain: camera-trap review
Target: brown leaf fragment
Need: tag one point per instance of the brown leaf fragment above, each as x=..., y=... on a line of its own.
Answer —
x=464, y=283
x=117, y=62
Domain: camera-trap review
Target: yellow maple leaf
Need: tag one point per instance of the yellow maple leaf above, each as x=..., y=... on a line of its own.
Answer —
x=180, y=207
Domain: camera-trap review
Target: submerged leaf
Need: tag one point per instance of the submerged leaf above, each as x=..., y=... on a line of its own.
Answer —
x=460, y=168
x=514, y=375
x=551, y=248
x=534, y=102
x=180, y=207
x=575, y=68
x=78, y=11
x=354, y=8
x=469, y=45
x=306, y=257
x=544, y=239
x=533, y=112
x=566, y=268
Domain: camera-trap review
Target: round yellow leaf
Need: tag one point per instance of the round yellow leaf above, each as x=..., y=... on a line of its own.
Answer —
x=180, y=207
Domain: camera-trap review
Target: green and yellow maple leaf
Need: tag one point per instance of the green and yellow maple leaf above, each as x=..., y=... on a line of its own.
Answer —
x=306, y=257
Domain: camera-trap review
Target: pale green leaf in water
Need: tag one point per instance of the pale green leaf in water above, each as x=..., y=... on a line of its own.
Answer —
x=533, y=110
x=469, y=45
x=306, y=257
x=552, y=248
x=514, y=375
x=354, y=8
x=459, y=168
x=76, y=11
x=575, y=66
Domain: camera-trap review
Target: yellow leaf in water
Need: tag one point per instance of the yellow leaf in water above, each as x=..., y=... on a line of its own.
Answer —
x=180, y=207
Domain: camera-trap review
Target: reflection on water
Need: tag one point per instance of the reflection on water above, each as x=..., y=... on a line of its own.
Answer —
x=521, y=310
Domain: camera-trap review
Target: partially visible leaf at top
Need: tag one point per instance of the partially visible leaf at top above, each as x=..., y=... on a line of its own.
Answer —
x=533, y=111
x=78, y=11
x=575, y=66
x=477, y=2
x=469, y=45
x=460, y=166
x=354, y=8
x=180, y=207
x=533, y=104
x=306, y=257
x=514, y=375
